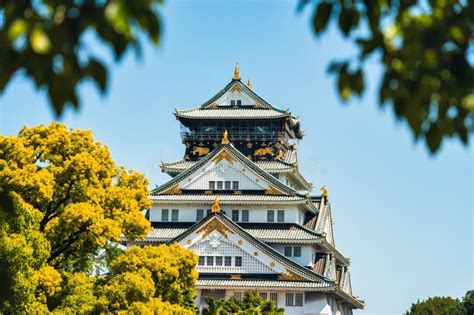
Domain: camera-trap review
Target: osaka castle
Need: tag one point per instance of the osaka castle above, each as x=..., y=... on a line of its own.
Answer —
x=238, y=200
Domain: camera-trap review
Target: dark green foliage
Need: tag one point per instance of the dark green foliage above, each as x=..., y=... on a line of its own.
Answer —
x=437, y=306
x=423, y=47
x=468, y=302
x=251, y=303
x=45, y=40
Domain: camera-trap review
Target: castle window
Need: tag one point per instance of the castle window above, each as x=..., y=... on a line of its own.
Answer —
x=228, y=260
x=164, y=215
x=294, y=299
x=219, y=185
x=288, y=251
x=274, y=297
x=298, y=299
x=210, y=260
x=199, y=214
x=238, y=261
x=212, y=185
x=201, y=260
x=270, y=216
x=219, y=261
x=174, y=215
x=235, y=215
x=245, y=216
x=235, y=185
x=263, y=295
x=281, y=216
x=227, y=185
x=238, y=295
x=297, y=251
x=239, y=103
x=232, y=103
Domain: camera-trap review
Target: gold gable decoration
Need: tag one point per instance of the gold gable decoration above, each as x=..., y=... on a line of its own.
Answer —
x=200, y=151
x=235, y=88
x=272, y=191
x=216, y=208
x=173, y=190
x=290, y=276
x=214, y=225
x=225, y=137
x=223, y=155
x=249, y=84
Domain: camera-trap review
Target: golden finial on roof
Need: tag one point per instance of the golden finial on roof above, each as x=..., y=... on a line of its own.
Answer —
x=236, y=72
x=225, y=138
x=249, y=84
x=324, y=192
x=216, y=208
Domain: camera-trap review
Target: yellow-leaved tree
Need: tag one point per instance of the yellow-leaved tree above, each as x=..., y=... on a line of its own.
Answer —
x=62, y=202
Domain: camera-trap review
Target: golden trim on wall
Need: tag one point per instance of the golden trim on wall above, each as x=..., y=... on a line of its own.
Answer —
x=235, y=277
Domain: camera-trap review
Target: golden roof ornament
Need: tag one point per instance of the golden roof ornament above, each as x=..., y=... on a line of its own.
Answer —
x=236, y=72
x=216, y=208
x=225, y=137
x=324, y=192
x=249, y=84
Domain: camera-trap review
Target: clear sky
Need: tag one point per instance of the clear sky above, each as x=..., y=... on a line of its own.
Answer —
x=403, y=216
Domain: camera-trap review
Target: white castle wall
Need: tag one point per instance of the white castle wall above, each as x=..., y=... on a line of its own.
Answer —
x=257, y=214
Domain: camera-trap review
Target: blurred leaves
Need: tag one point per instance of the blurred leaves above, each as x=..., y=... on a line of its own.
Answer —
x=44, y=40
x=426, y=50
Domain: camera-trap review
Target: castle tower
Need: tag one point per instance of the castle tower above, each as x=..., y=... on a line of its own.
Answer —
x=238, y=200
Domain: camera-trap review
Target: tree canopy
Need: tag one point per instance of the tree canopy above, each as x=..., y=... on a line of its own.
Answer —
x=63, y=205
x=251, y=303
x=423, y=47
x=444, y=306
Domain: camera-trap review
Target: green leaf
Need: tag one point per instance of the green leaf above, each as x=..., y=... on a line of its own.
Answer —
x=39, y=41
x=433, y=138
x=321, y=18
x=98, y=73
x=348, y=19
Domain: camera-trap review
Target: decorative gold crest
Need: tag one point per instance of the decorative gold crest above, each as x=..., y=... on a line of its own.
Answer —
x=249, y=145
x=214, y=225
x=249, y=83
x=263, y=152
x=272, y=191
x=237, y=192
x=235, y=88
x=212, y=106
x=235, y=277
x=189, y=241
x=200, y=151
x=240, y=242
x=290, y=276
x=174, y=190
x=223, y=155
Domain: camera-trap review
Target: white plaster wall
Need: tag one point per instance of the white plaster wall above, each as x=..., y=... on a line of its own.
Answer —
x=256, y=213
x=307, y=253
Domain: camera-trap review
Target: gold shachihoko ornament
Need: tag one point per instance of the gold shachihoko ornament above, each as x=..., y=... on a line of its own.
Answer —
x=216, y=208
x=225, y=138
x=236, y=72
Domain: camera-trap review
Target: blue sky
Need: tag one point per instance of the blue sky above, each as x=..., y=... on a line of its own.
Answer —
x=403, y=216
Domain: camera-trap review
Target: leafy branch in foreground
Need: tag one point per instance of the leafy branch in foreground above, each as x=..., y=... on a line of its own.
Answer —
x=426, y=52
x=45, y=40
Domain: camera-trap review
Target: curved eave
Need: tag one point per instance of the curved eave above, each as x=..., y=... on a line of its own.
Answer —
x=352, y=300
